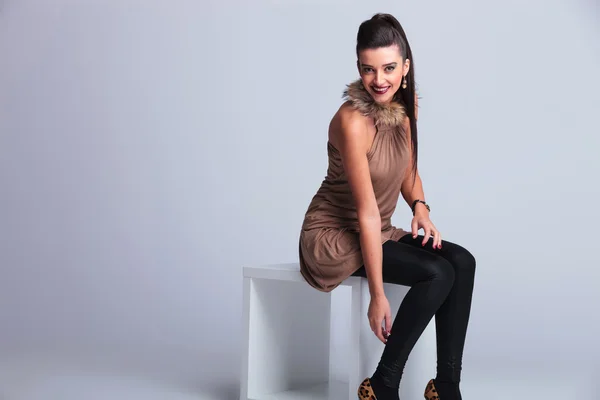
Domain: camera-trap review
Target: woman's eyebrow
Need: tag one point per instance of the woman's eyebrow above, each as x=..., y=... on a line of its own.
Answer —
x=385, y=65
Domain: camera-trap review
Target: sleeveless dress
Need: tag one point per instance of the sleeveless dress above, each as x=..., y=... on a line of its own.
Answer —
x=329, y=246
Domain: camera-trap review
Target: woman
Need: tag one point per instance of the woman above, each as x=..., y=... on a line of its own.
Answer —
x=347, y=230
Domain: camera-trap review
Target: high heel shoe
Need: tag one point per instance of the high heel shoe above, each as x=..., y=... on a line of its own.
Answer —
x=431, y=392
x=365, y=391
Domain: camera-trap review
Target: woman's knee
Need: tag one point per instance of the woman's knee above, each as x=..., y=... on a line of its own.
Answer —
x=442, y=271
x=463, y=260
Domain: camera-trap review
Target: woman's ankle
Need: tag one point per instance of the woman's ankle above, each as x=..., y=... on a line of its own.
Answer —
x=447, y=390
x=383, y=392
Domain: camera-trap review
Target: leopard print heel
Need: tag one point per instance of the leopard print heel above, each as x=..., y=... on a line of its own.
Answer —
x=431, y=391
x=365, y=391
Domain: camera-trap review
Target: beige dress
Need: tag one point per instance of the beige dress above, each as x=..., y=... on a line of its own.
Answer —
x=329, y=245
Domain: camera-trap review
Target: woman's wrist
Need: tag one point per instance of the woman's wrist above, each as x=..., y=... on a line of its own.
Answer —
x=419, y=206
x=420, y=209
x=377, y=292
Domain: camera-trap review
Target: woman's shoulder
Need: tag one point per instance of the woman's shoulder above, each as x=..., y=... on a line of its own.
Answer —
x=348, y=117
x=348, y=122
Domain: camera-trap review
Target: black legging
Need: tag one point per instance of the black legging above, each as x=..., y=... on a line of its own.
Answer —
x=441, y=282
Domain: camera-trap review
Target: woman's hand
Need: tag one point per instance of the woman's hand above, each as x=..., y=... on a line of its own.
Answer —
x=379, y=310
x=421, y=220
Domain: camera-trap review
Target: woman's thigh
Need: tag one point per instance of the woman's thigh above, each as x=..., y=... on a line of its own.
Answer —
x=460, y=258
x=407, y=264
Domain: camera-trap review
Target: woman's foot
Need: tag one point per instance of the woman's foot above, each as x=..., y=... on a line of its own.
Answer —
x=365, y=390
x=431, y=391
x=372, y=389
x=441, y=390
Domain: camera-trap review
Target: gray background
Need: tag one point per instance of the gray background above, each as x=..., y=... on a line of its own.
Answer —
x=149, y=150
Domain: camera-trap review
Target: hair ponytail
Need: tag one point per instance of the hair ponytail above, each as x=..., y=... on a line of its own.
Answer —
x=384, y=30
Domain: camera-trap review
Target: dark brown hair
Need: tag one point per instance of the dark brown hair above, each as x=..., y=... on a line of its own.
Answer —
x=383, y=30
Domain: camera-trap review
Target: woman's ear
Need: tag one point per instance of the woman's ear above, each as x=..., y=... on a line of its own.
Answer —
x=406, y=67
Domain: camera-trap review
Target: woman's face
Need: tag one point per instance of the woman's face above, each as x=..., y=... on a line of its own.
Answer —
x=382, y=71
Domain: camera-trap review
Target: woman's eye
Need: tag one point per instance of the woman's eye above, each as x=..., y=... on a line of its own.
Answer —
x=387, y=69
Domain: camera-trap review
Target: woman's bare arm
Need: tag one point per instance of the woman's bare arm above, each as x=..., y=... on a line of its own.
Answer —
x=353, y=143
x=410, y=191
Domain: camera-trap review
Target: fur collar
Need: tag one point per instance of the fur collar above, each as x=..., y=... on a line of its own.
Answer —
x=392, y=114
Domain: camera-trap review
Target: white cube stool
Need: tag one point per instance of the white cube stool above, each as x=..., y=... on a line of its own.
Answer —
x=291, y=338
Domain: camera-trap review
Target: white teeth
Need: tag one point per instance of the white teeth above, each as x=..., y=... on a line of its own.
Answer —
x=380, y=90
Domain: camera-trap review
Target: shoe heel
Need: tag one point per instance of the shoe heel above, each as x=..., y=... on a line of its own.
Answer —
x=365, y=390
x=430, y=391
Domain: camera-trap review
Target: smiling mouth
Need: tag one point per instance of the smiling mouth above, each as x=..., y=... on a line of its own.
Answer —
x=379, y=90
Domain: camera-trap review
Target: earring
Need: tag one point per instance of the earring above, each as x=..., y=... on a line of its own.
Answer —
x=404, y=83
